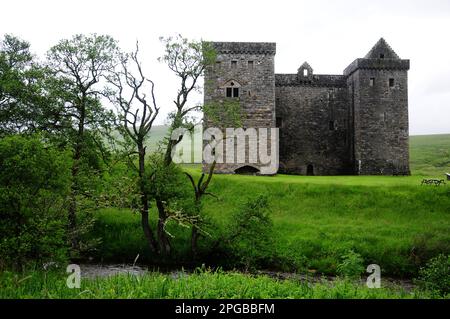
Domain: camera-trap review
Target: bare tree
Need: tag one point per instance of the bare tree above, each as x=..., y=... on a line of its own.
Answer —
x=138, y=110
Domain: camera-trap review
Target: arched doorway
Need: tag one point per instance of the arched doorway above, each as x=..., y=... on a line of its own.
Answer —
x=246, y=170
x=310, y=170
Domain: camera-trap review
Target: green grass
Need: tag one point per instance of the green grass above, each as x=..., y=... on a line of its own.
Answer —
x=390, y=220
x=197, y=285
x=430, y=154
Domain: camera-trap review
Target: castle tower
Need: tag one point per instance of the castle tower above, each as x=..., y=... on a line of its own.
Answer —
x=378, y=98
x=242, y=79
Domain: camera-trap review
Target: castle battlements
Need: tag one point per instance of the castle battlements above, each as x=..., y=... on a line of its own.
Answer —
x=353, y=123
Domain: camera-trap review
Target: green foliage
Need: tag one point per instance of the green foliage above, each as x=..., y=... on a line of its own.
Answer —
x=165, y=182
x=250, y=235
x=430, y=155
x=200, y=284
x=34, y=184
x=168, y=183
x=435, y=276
x=25, y=104
x=351, y=265
x=226, y=113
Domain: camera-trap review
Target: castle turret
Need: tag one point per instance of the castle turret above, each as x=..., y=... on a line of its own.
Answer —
x=378, y=91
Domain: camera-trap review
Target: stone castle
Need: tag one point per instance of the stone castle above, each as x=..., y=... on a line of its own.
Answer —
x=354, y=123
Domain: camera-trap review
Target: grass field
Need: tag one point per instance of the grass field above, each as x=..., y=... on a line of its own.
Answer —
x=197, y=285
x=430, y=154
x=391, y=221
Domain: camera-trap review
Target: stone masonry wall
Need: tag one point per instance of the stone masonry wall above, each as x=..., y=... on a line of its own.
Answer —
x=313, y=113
x=251, y=68
x=381, y=137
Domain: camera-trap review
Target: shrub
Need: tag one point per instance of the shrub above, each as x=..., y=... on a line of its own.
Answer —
x=435, y=275
x=351, y=266
x=250, y=239
x=34, y=182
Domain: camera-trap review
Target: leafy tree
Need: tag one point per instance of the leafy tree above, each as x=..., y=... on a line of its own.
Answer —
x=188, y=61
x=25, y=103
x=79, y=65
x=200, y=190
x=34, y=184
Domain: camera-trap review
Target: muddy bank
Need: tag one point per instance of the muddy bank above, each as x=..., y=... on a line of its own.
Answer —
x=105, y=270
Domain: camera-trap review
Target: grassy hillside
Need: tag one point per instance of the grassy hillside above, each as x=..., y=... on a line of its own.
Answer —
x=430, y=154
x=390, y=220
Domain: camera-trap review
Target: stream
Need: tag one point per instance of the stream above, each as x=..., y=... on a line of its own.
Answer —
x=103, y=270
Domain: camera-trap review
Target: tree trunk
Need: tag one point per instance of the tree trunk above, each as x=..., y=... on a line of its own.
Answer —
x=78, y=150
x=194, y=239
x=162, y=236
x=153, y=244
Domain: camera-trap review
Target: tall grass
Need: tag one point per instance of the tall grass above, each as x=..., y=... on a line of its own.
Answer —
x=393, y=222
x=197, y=285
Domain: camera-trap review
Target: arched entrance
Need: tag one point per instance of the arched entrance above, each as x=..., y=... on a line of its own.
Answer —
x=246, y=170
x=310, y=170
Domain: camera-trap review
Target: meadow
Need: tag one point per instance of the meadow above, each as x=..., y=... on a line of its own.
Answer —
x=392, y=221
x=203, y=284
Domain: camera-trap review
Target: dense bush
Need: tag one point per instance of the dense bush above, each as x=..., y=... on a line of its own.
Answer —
x=435, y=275
x=351, y=265
x=250, y=237
x=34, y=183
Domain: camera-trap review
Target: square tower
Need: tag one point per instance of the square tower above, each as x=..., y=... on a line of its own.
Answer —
x=242, y=81
x=378, y=96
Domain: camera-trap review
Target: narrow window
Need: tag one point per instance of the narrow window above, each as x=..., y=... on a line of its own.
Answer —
x=235, y=92
x=391, y=83
x=372, y=81
x=305, y=72
x=381, y=55
x=229, y=92
x=279, y=122
x=331, y=125
x=250, y=65
x=233, y=64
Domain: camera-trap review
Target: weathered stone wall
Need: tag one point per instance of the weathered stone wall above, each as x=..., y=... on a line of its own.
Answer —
x=250, y=66
x=355, y=123
x=313, y=113
x=381, y=137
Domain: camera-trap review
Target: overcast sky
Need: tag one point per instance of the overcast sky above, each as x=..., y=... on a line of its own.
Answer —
x=328, y=34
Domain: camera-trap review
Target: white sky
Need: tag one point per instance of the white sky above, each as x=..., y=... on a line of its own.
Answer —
x=327, y=34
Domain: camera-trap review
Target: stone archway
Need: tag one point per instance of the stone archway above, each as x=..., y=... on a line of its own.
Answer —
x=247, y=170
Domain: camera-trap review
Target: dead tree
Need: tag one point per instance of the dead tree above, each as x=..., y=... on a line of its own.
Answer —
x=137, y=115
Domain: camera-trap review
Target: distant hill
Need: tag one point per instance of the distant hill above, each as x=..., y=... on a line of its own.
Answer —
x=430, y=154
